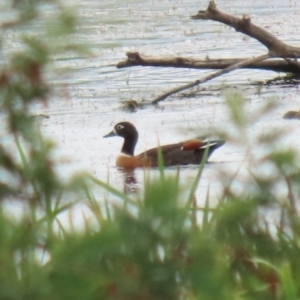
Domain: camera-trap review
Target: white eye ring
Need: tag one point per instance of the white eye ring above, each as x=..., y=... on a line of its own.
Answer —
x=119, y=127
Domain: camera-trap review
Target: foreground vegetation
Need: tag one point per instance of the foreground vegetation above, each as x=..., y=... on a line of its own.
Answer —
x=159, y=245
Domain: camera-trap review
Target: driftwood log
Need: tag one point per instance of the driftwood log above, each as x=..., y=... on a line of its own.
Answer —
x=138, y=59
x=283, y=57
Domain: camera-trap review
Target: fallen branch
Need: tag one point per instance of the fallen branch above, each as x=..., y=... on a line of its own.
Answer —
x=276, y=49
x=137, y=59
x=275, y=46
x=211, y=76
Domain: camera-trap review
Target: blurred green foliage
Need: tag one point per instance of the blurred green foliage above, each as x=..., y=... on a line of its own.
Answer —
x=157, y=246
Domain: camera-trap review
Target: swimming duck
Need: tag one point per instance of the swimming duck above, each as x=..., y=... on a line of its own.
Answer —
x=182, y=153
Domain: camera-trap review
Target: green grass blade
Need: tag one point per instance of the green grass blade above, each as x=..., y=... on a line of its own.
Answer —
x=197, y=179
x=160, y=162
x=206, y=210
x=112, y=190
x=21, y=152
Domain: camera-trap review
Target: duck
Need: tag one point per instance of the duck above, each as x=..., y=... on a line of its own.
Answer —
x=182, y=153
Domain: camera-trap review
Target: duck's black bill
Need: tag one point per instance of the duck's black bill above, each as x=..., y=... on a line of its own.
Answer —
x=110, y=134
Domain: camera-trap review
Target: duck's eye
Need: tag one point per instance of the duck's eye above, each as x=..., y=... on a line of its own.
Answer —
x=119, y=127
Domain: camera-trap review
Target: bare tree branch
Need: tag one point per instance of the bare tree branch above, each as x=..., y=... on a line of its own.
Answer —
x=137, y=59
x=276, y=49
x=209, y=77
x=275, y=46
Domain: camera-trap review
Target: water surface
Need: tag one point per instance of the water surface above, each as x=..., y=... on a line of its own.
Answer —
x=86, y=101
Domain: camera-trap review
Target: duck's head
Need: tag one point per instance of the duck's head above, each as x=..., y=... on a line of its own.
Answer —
x=127, y=131
x=123, y=129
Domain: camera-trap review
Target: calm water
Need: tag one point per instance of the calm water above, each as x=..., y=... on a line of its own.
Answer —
x=86, y=102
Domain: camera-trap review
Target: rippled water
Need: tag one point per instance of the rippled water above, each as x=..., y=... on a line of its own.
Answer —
x=87, y=99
